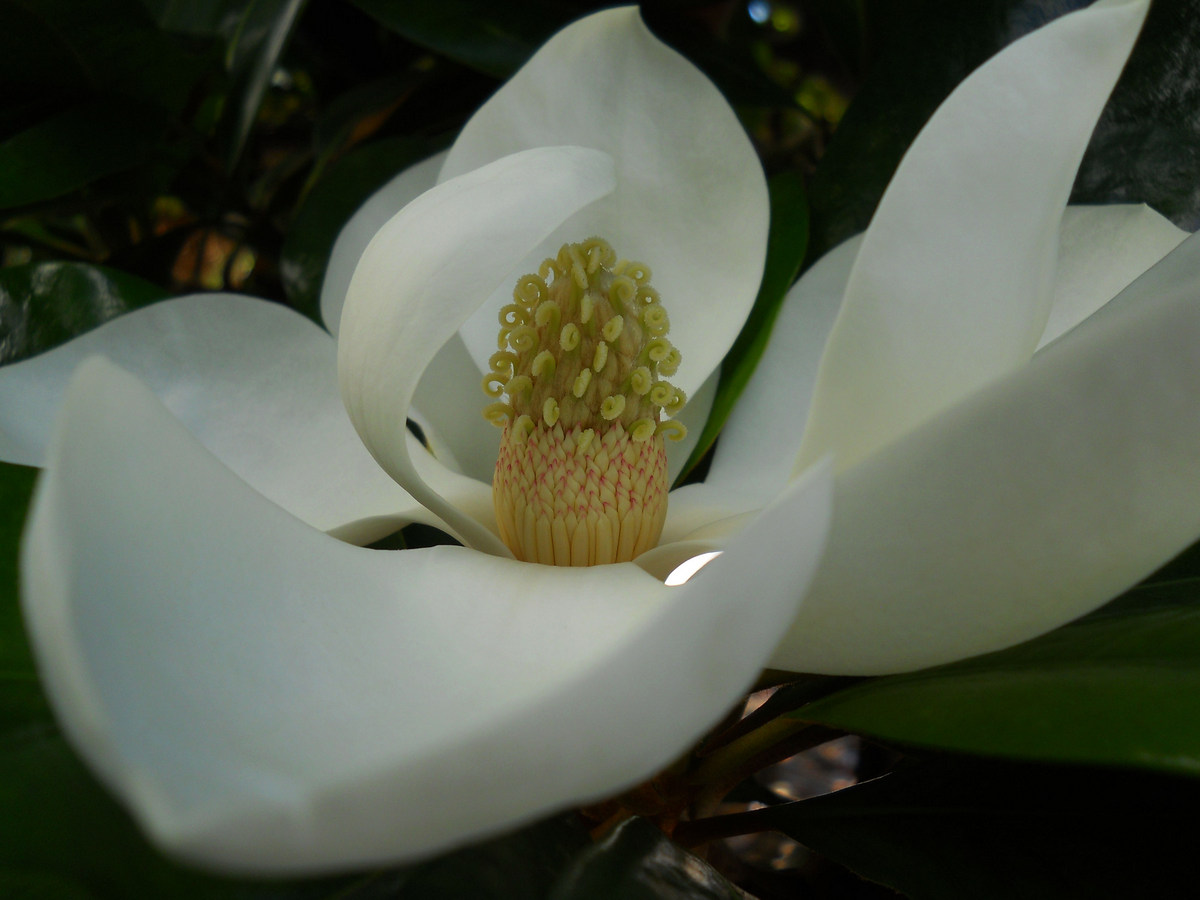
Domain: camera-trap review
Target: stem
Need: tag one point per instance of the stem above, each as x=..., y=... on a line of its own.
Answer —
x=701, y=831
x=729, y=760
x=730, y=765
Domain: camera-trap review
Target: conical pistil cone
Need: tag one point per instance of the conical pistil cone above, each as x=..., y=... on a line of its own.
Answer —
x=580, y=497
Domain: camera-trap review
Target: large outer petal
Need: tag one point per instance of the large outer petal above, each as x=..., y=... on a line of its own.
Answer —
x=268, y=698
x=257, y=385
x=691, y=200
x=1030, y=503
x=425, y=272
x=951, y=288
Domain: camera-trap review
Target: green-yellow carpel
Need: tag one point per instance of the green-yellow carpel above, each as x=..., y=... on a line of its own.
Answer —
x=581, y=476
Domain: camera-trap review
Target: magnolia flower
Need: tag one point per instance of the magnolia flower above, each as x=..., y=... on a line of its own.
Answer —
x=265, y=695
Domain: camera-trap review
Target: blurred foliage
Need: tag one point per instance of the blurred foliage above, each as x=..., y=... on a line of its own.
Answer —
x=155, y=147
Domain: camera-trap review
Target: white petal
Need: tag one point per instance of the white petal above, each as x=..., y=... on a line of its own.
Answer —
x=1032, y=502
x=951, y=288
x=426, y=271
x=758, y=446
x=352, y=240
x=257, y=385
x=1102, y=249
x=691, y=201
x=449, y=405
x=266, y=698
x=692, y=417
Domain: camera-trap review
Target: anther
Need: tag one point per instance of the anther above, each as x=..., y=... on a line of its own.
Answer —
x=550, y=411
x=612, y=406
x=543, y=365
x=600, y=357
x=582, y=380
x=640, y=381
x=547, y=313
x=612, y=328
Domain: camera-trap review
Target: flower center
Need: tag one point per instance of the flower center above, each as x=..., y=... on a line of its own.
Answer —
x=581, y=477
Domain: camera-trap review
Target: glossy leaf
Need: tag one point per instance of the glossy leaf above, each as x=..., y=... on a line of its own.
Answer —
x=494, y=39
x=523, y=865
x=1121, y=687
x=786, y=247
x=948, y=829
x=329, y=204
x=75, y=148
x=253, y=51
x=199, y=17
x=44, y=304
x=61, y=51
x=638, y=862
x=61, y=833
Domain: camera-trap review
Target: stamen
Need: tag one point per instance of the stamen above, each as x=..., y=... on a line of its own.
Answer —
x=513, y=315
x=672, y=429
x=547, y=314
x=582, y=380
x=600, y=357
x=569, y=337
x=612, y=328
x=543, y=365
x=612, y=406
x=643, y=430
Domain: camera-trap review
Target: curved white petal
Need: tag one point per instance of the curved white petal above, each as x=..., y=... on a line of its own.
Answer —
x=425, y=272
x=352, y=240
x=952, y=285
x=1030, y=503
x=257, y=385
x=758, y=446
x=266, y=698
x=691, y=200
x=449, y=405
x=1101, y=249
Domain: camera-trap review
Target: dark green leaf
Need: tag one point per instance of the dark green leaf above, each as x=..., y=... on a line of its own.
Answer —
x=785, y=251
x=638, y=862
x=63, y=51
x=16, y=487
x=327, y=208
x=44, y=304
x=60, y=830
x=522, y=865
x=254, y=48
x=199, y=17
x=949, y=829
x=1120, y=687
x=489, y=37
x=75, y=148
